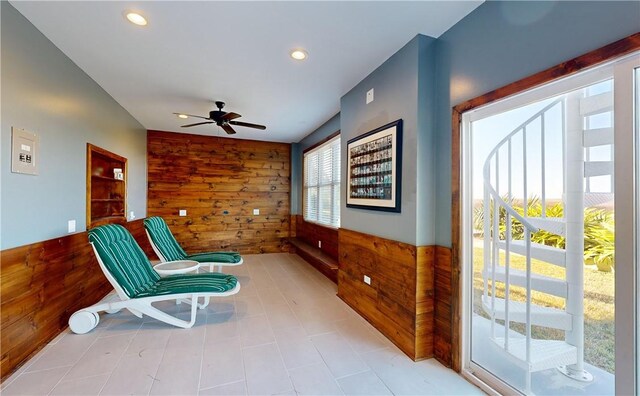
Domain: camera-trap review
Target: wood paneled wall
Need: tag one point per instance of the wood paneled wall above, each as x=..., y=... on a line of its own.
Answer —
x=312, y=233
x=400, y=300
x=42, y=284
x=443, y=319
x=219, y=181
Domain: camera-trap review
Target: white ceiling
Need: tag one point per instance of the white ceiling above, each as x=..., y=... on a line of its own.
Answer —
x=193, y=53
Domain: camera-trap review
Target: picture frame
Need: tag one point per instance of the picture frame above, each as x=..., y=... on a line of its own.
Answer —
x=374, y=172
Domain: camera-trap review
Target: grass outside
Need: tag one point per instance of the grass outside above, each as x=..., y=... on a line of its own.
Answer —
x=599, y=327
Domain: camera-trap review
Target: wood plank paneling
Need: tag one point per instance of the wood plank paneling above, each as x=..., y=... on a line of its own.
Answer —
x=399, y=302
x=42, y=284
x=443, y=323
x=304, y=241
x=293, y=230
x=219, y=181
x=312, y=233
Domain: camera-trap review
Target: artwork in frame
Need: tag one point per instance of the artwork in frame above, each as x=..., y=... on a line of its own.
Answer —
x=375, y=169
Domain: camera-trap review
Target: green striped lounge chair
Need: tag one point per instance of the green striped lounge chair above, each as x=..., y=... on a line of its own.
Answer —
x=138, y=286
x=168, y=249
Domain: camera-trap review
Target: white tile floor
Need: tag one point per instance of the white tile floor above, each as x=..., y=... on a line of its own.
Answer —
x=285, y=333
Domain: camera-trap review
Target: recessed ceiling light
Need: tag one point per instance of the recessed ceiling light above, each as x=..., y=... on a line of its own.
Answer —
x=299, y=54
x=136, y=18
x=183, y=116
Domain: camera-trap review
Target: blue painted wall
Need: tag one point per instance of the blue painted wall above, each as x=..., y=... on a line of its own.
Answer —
x=325, y=130
x=502, y=42
x=396, y=83
x=44, y=92
x=426, y=161
x=296, y=179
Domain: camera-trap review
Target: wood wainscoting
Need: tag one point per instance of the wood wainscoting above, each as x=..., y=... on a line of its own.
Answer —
x=219, y=181
x=316, y=244
x=400, y=300
x=42, y=284
x=313, y=233
x=442, y=332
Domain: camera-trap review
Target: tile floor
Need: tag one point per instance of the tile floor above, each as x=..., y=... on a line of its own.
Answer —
x=284, y=333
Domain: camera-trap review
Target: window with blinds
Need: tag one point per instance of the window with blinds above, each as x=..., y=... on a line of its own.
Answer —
x=322, y=184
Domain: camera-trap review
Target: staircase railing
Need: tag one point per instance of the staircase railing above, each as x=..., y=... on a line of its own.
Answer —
x=494, y=201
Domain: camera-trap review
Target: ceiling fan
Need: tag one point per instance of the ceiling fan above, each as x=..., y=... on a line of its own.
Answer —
x=222, y=119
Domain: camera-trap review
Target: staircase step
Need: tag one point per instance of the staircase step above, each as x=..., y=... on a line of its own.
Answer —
x=545, y=354
x=539, y=251
x=595, y=199
x=554, y=225
x=596, y=104
x=597, y=137
x=598, y=168
x=545, y=284
x=540, y=316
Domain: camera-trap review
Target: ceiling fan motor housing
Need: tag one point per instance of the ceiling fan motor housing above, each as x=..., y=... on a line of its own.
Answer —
x=216, y=114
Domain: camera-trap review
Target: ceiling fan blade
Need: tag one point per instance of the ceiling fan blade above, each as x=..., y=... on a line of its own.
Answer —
x=230, y=116
x=247, y=124
x=227, y=128
x=197, y=123
x=195, y=116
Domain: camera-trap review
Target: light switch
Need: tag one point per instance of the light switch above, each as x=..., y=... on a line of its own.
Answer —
x=370, y=96
x=256, y=212
x=132, y=215
x=71, y=226
x=24, y=149
x=183, y=212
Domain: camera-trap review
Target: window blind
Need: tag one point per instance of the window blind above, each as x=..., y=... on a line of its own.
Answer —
x=321, y=197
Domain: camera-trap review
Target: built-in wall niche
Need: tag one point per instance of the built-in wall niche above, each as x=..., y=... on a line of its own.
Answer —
x=106, y=187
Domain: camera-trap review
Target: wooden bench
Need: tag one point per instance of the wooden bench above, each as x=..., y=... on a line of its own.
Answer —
x=316, y=257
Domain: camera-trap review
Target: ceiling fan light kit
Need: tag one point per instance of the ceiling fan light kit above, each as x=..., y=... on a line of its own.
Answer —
x=222, y=119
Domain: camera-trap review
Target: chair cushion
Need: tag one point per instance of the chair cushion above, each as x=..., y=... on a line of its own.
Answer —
x=191, y=283
x=124, y=258
x=171, y=250
x=163, y=239
x=215, y=257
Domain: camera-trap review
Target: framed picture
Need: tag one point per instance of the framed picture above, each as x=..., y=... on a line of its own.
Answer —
x=375, y=169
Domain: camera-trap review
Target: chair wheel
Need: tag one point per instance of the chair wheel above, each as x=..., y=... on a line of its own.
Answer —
x=83, y=322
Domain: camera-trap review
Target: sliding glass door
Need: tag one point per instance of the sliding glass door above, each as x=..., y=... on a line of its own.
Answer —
x=548, y=184
x=637, y=220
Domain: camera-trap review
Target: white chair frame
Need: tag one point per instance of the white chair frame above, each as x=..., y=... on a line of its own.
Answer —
x=87, y=319
x=211, y=264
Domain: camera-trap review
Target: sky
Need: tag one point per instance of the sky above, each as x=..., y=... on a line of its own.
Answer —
x=486, y=133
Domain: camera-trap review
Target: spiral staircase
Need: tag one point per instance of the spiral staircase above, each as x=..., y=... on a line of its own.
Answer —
x=503, y=309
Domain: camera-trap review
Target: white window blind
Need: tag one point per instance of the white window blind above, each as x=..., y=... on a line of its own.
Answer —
x=322, y=184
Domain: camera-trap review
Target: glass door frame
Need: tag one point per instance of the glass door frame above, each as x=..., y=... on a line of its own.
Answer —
x=613, y=53
x=626, y=298
x=546, y=91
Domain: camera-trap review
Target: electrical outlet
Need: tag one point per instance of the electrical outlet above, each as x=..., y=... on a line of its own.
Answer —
x=320, y=244
x=71, y=226
x=183, y=212
x=370, y=96
x=256, y=212
x=367, y=280
x=132, y=215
